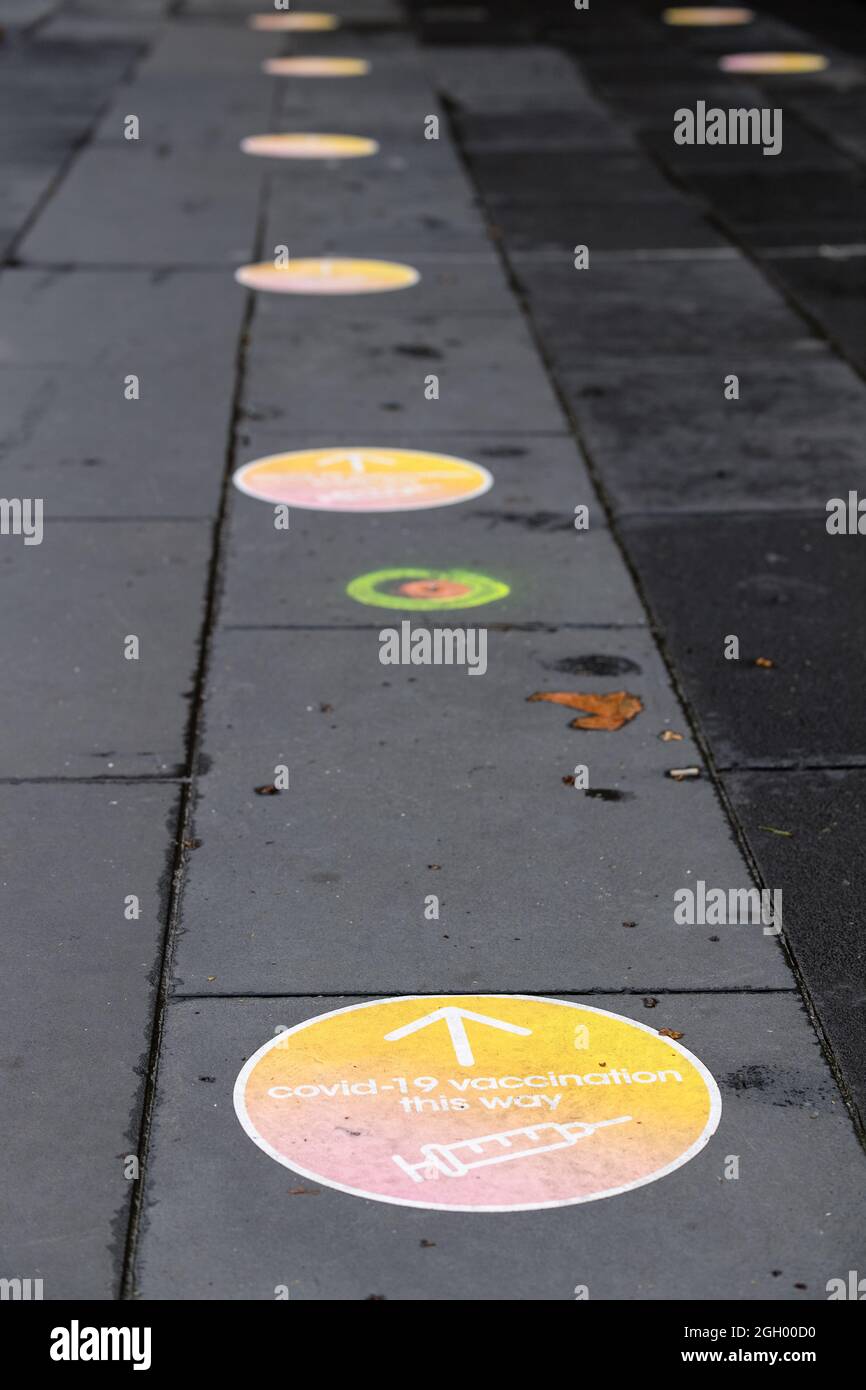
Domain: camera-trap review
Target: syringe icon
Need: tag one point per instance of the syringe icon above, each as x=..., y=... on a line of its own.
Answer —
x=460, y=1157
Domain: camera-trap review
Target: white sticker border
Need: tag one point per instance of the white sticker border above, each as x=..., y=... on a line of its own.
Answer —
x=238, y=1098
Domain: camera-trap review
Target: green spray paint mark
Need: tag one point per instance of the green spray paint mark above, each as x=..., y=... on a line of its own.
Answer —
x=417, y=590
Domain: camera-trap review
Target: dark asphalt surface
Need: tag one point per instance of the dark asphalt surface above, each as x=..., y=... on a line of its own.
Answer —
x=123, y=1036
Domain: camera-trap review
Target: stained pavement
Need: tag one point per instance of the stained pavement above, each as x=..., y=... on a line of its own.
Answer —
x=599, y=388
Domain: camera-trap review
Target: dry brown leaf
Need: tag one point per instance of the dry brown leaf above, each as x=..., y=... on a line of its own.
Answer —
x=764, y=661
x=608, y=711
x=670, y=737
x=670, y=1033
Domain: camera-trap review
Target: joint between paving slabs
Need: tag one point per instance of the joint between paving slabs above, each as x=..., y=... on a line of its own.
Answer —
x=193, y=741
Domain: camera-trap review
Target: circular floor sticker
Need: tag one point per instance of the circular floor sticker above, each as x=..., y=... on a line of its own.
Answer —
x=482, y=1102
x=361, y=478
x=773, y=62
x=419, y=590
x=697, y=16
x=309, y=146
x=328, y=275
x=316, y=67
x=305, y=22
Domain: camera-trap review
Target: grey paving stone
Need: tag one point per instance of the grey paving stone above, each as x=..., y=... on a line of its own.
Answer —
x=394, y=769
x=316, y=206
x=781, y=584
x=139, y=27
x=73, y=439
x=818, y=865
x=782, y=208
x=116, y=321
x=785, y=1223
x=361, y=190
x=615, y=225
x=665, y=438
x=842, y=116
x=389, y=228
x=72, y=705
x=223, y=49
x=521, y=532
x=502, y=79
x=25, y=184
x=130, y=207
x=833, y=291
x=16, y=14
x=489, y=375
x=648, y=104
x=590, y=128
x=563, y=176
x=77, y=988
x=629, y=309
x=152, y=8
x=180, y=113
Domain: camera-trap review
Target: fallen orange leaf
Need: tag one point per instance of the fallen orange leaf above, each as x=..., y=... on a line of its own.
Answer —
x=609, y=711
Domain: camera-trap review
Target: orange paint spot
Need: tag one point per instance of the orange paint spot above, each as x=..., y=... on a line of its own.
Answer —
x=608, y=711
x=433, y=588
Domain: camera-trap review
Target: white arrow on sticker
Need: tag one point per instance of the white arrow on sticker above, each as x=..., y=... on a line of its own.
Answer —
x=355, y=460
x=454, y=1017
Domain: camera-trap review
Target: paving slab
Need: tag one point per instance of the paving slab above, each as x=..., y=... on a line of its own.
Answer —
x=73, y=439
x=775, y=582
x=664, y=438
x=77, y=996
x=779, y=1232
x=498, y=80
x=182, y=112
x=818, y=865
x=623, y=309
x=116, y=321
x=391, y=229
x=796, y=208
x=292, y=892
x=489, y=375
x=616, y=225
x=591, y=128
x=565, y=176
x=132, y=207
x=833, y=292
x=521, y=533
x=646, y=102
x=73, y=706
x=841, y=116
x=225, y=50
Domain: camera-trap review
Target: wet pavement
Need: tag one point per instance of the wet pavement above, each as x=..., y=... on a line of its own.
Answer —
x=225, y=819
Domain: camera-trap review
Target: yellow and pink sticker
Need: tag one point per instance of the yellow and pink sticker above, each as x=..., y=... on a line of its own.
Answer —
x=309, y=146
x=485, y=1102
x=773, y=63
x=316, y=67
x=303, y=21
x=361, y=478
x=327, y=275
x=710, y=16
